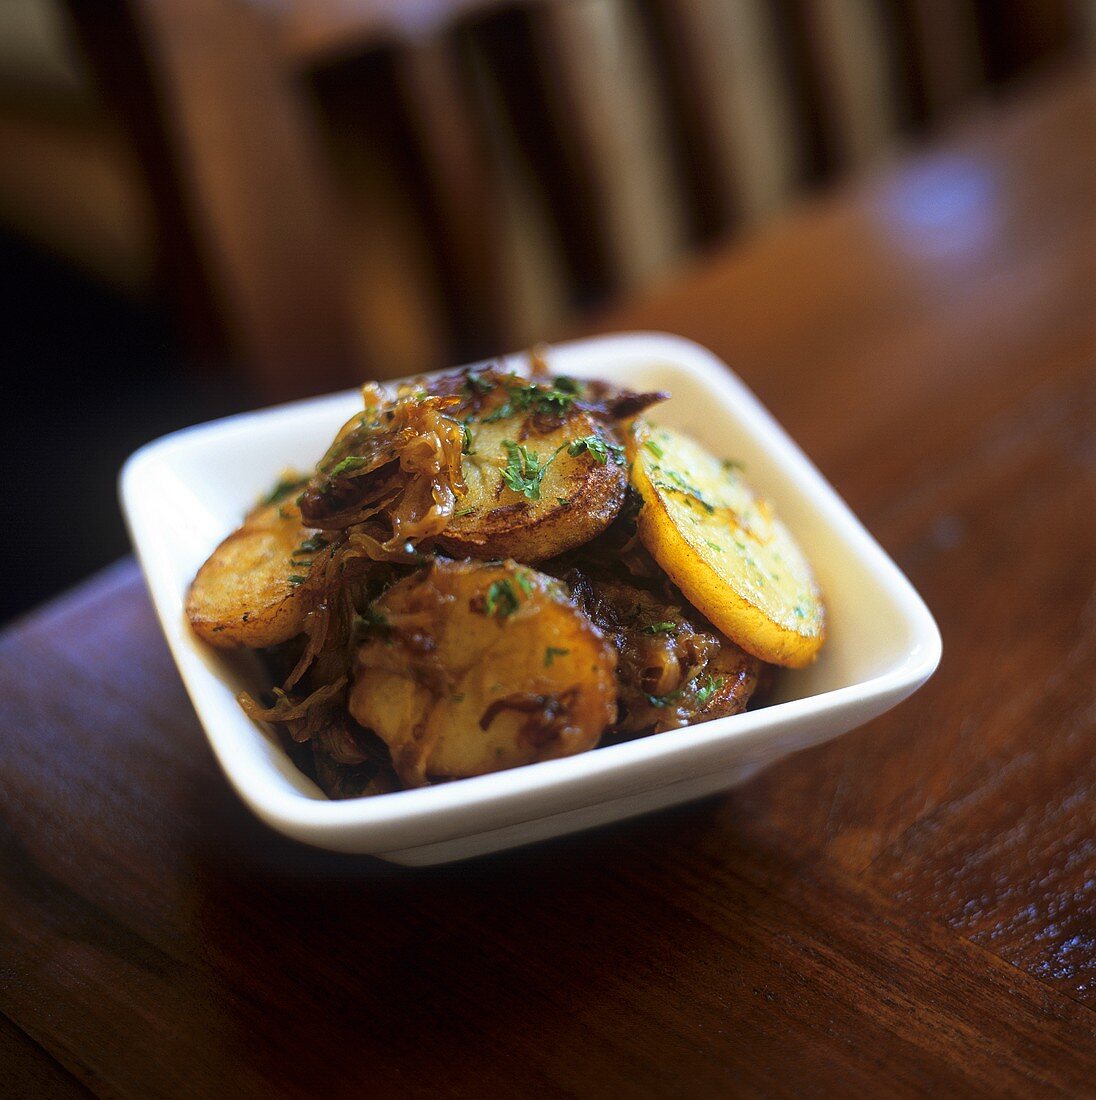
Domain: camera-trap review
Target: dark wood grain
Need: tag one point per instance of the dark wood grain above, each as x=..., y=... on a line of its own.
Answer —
x=908, y=910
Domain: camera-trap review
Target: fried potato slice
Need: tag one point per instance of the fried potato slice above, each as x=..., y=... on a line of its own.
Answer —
x=724, y=547
x=474, y=667
x=248, y=593
x=541, y=478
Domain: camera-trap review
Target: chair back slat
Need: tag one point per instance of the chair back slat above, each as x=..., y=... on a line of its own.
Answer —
x=382, y=187
x=605, y=88
x=734, y=116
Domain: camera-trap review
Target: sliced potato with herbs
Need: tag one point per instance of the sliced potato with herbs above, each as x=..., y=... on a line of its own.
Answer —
x=473, y=667
x=248, y=593
x=542, y=474
x=724, y=547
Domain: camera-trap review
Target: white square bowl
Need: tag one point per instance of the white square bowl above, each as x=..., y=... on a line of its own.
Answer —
x=186, y=491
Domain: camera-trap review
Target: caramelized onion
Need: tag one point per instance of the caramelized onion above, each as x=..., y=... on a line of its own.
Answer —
x=402, y=459
x=301, y=716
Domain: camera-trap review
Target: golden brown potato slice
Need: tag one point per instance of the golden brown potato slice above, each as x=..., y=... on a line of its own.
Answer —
x=724, y=547
x=475, y=667
x=542, y=474
x=249, y=592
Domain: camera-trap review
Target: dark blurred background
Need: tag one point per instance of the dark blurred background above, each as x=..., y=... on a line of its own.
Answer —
x=211, y=204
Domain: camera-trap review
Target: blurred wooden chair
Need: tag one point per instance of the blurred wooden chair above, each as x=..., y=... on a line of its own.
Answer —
x=350, y=188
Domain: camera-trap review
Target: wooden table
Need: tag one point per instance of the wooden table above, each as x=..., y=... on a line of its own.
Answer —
x=909, y=908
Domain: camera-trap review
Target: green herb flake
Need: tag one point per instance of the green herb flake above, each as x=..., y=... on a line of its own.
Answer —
x=351, y=462
x=564, y=501
x=476, y=384
x=654, y=448
x=600, y=450
x=553, y=402
x=533, y=398
x=501, y=599
x=311, y=545
x=544, y=401
x=466, y=444
x=296, y=579
x=524, y=472
x=664, y=700
x=680, y=485
x=524, y=582
x=463, y=512
x=551, y=653
x=666, y=627
x=731, y=464
x=707, y=688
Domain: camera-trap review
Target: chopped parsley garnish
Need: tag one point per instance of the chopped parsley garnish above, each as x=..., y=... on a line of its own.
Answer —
x=501, y=599
x=664, y=700
x=296, y=579
x=551, y=653
x=682, y=486
x=599, y=449
x=550, y=402
x=463, y=512
x=563, y=500
x=730, y=464
x=568, y=385
x=654, y=448
x=707, y=687
x=466, y=445
x=553, y=401
x=351, y=462
x=475, y=383
x=666, y=627
x=524, y=472
x=311, y=545
x=524, y=583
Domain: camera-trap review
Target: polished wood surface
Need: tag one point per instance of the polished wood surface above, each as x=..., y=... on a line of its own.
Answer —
x=908, y=909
